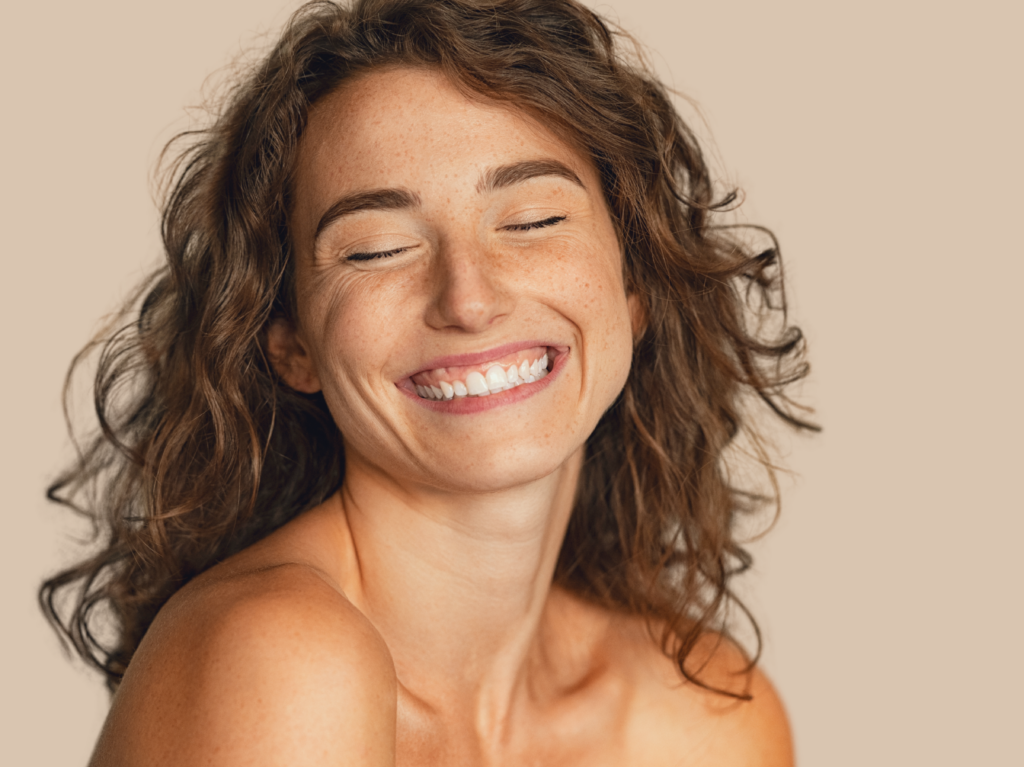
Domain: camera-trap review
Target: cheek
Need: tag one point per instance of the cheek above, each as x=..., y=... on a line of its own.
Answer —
x=610, y=341
x=593, y=281
x=611, y=344
x=591, y=291
x=354, y=322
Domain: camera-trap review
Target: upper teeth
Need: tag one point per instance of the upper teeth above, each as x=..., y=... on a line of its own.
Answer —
x=495, y=379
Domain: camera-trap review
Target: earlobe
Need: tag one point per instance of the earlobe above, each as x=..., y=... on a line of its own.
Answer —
x=290, y=358
x=637, y=316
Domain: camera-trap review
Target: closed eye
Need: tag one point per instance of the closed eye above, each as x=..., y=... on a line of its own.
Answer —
x=551, y=221
x=372, y=256
x=535, y=224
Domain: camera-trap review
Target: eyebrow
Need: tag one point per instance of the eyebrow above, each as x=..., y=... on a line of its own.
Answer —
x=378, y=199
x=400, y=199
x=516, y=173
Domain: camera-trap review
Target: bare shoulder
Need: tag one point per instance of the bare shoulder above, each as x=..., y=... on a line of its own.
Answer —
x=674, y=721
x=263, y=666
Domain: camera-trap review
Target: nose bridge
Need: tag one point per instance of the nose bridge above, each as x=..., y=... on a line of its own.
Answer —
x=468, y=287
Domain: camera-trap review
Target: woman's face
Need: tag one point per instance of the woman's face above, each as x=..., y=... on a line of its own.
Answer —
x=447, y=248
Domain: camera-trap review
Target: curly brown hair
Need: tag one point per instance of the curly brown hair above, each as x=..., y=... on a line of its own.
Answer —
x=202, y=449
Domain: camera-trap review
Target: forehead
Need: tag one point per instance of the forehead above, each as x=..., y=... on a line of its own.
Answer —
x=413, y=128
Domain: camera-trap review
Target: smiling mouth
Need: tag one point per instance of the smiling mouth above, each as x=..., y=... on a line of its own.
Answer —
x=525, y=366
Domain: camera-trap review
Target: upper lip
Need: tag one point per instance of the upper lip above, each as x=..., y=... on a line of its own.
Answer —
x=475, y=358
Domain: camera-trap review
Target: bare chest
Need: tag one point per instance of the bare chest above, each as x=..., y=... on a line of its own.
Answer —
x=590, y=736
x=541, y=749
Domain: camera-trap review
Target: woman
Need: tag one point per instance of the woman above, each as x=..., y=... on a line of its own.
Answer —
x=415, y=451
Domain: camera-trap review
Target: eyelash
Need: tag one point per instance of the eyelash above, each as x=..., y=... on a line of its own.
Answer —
x=373, y=256
x=536, y=224
x=513, y=227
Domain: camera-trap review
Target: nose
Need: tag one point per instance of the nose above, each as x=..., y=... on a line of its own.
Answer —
x=467, y=290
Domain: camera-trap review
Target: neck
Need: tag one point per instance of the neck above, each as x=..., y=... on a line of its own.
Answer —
x=457, y=583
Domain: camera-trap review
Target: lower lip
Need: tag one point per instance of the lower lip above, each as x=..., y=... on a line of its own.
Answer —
x=467, y=405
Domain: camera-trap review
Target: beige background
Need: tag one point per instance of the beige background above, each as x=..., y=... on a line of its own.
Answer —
x=880, y=140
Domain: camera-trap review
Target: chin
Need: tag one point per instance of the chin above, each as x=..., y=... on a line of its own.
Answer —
x=498, y=467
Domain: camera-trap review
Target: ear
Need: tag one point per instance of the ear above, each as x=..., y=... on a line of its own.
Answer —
x=290, y=358
x=637, y=316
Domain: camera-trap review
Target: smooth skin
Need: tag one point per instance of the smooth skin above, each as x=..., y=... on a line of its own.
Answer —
x=411, y=619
